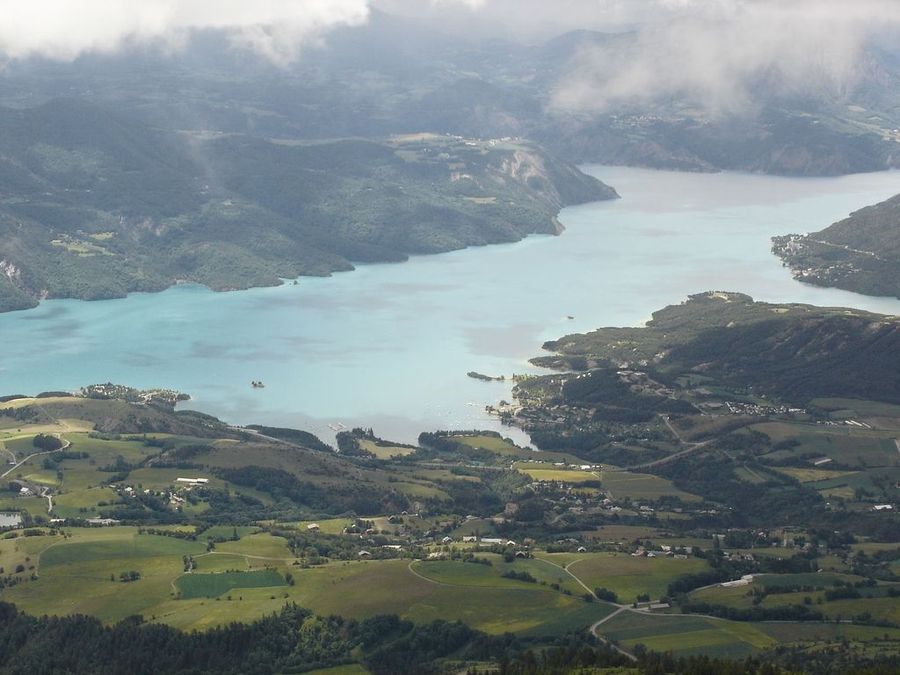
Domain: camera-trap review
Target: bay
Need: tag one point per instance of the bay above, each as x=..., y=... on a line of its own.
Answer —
x=389, y=346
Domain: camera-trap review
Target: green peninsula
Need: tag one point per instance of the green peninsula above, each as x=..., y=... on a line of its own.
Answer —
x=95, y=204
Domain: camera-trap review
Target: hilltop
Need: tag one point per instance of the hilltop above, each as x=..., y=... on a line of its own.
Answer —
x=97, y=204
x=860, y=253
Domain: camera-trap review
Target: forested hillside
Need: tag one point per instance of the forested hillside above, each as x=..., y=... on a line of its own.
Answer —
x=794, y=352
x=95, y=204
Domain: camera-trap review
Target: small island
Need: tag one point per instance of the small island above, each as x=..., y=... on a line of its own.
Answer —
x=485, y=378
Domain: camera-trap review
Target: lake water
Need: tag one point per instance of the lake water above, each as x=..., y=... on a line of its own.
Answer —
x=389, y=346
x=10, y=520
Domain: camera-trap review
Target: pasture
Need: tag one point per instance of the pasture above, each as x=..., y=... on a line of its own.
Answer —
x=456, y=573
x=550, y=473
x=812, y=475
x=385, y=451
x=261, y=545
x=686, y=635
x=327, y=526
x=213, y=585
x=629, y=576
x=503, y=447
x=80, y=574
x=350, y=669
x=622, y=484
x=849, y=446
x=781, y=590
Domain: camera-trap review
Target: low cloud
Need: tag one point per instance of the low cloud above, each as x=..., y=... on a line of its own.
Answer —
x=721, y=55
x=716, y=54
x=277, y=29
x=65, y=29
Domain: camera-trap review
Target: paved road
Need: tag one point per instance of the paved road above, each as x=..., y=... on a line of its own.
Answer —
x=597, y=635
x=689, y=449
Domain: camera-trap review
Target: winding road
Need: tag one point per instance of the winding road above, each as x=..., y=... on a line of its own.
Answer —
x=65, y=446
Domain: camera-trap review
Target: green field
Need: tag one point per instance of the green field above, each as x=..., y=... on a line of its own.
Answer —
x=503, y=447
x=545, y=472
x=351, y=669
x=858, y=407
x=384, y=451
x=853, y=447
x=813, y=475
x=629, y=576
x=780, y=594
x=622, y=484
x=213, y=585
x=687, y=635
x=455, y=573
x=327, y=526
x=80, y=575
x=262, y=545
x=226, y=532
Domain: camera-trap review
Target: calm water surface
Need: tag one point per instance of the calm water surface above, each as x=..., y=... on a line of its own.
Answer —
x=10, y=520
x=388, y=346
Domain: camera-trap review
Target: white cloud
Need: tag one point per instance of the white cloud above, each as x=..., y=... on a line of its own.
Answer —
x=278, y=29
x=64, y=29
x=712, y=51
x=720, y=54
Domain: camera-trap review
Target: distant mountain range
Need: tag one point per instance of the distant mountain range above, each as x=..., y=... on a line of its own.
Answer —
x=95, y=204
x=394, y=75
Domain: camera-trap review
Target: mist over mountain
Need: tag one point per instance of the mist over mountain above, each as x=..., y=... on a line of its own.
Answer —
x=397, y=75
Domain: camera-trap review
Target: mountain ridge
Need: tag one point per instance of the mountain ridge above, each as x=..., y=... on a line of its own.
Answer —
x=95, y=204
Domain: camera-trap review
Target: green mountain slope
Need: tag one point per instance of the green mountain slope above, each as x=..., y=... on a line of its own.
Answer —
x=792, y=352
x=860, y=253
x=95, y=204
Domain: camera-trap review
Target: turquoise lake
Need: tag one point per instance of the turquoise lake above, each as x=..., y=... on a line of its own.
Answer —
x=389, y=346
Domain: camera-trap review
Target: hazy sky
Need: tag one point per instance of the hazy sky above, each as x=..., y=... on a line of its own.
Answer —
x=65, y=28
x=708, y=49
